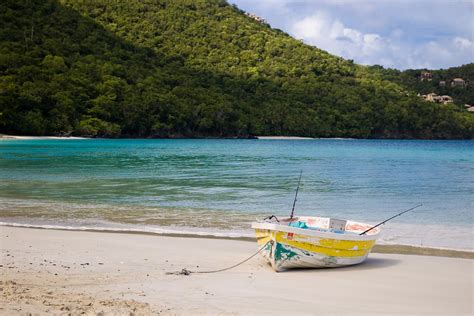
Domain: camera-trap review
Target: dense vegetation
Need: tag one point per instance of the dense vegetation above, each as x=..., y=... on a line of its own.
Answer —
x=170, y=68
x=410, y=80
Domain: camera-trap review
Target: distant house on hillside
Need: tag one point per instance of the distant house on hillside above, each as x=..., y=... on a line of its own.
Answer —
x=430, y=97
x=426, y=75
x=458, y=82
x=442, y=83
x=445, y=99
x=471, y=109
x=256, y=17
x=433, y=97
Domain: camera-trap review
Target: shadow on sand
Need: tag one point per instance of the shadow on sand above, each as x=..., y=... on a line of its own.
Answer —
x=372, y=263
x=369, y=264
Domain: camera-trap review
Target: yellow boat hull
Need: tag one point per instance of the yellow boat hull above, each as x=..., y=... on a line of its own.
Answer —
x=287, y=247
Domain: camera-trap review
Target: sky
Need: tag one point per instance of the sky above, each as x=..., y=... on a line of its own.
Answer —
x=400, y=34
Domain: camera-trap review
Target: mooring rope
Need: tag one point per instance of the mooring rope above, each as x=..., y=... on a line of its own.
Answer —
x=185, y=271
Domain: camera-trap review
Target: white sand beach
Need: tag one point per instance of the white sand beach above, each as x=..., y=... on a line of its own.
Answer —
x=71, y=272
x=283, y=138
x=16, y=137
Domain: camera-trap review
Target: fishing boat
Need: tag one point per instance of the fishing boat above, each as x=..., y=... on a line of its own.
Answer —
x=314, y=242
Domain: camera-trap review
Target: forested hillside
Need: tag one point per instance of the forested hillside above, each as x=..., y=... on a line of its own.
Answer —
x=184, y=68
x=410, y=80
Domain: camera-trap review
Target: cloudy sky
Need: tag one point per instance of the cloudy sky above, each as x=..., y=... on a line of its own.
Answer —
x=394, y=33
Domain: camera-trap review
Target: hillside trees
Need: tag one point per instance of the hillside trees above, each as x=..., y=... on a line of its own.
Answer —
x=191, y=69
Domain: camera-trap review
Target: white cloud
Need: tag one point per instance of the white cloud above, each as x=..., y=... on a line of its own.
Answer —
x=393, y=33
x=463, y=43
x=330, y=34
x=443, y=52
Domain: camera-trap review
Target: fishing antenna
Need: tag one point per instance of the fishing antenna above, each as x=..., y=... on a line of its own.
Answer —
x=381, y=223
x=296, y=194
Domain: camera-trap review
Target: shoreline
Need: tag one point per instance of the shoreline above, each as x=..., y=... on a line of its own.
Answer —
x=16, y=137
x=288, y=138
x=250, y=137
x=48, y=272
x=378, y=248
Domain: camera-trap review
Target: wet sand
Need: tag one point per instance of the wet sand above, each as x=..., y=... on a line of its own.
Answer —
x=62, y=272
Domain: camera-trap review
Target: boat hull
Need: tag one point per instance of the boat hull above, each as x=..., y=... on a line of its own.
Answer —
x=298, y=248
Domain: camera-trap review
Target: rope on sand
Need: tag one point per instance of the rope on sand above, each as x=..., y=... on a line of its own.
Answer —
x=185, y=271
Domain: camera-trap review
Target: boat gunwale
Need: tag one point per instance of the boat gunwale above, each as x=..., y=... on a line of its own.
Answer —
x=314, y=233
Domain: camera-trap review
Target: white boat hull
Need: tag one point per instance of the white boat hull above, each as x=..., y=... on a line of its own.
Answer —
x=288, y=247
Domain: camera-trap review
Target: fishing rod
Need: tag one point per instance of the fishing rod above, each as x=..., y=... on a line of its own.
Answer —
x=296, y=194
x=381, y=223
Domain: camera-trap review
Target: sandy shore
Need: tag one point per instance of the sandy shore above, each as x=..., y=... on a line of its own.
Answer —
x=63, y=272
x=283, y=137
x=73, y=137
x=6, y=137
x=299, y=138
x=15, y=137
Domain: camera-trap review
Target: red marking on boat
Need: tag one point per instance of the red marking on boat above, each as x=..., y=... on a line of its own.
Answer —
x=357, y=227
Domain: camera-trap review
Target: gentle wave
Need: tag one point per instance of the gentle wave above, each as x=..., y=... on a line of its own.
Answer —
x=144, y=230
x=391, y=239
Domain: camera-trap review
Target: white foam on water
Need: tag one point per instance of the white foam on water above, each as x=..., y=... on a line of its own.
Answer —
x=191, y=231
x=431, y=236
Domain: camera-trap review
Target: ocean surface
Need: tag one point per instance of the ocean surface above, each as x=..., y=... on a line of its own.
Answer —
x=217, y=187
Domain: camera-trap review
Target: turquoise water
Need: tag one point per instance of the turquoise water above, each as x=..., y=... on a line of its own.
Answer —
x=220, y=186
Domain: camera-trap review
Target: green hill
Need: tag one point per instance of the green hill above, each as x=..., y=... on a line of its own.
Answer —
x=410, y=80
x=165, y=68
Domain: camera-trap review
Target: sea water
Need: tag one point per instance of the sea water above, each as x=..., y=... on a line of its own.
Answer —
x=218, y=187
